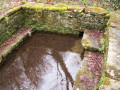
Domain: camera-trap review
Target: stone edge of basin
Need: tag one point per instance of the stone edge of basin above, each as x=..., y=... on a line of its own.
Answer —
x=112, y=71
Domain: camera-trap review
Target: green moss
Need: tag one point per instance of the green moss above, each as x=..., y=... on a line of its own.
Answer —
x=78, y=8
x=108, y=23
x=107, y=15
x=14, y=10
x=82, y=13
x=54, y=28
x=96, y=88
x=53, y=8
x=37, y=7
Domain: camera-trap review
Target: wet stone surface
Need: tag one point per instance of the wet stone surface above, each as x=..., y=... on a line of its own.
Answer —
x=43, y=62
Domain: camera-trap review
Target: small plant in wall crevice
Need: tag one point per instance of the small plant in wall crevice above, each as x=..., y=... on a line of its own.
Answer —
x=102, y=41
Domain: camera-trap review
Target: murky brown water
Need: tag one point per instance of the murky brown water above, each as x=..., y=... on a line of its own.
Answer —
x=44, y=62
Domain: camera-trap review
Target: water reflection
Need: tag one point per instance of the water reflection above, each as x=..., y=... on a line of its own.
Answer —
x=44, y=62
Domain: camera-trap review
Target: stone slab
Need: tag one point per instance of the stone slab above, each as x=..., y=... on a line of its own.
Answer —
x=95, y=10
x=113, y=59
x=91, y=39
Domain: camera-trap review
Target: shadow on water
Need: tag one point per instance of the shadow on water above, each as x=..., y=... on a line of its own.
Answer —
x=45, y=61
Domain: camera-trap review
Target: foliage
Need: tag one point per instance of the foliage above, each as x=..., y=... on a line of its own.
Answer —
x=103, y=72
x=30, y=22
x=23, y=1
x=56, y=0
x=67, y=2
x=95, y=88
x=110, y=9
x=85, y=1
x=39, y=1
x=105, y=3
x=102, y=78
x=102, y=41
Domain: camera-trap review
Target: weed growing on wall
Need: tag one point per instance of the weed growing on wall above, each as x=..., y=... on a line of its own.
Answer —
x=102, y=41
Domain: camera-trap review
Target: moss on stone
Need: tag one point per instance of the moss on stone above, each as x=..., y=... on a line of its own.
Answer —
x=13, y=10
x=82, y=13
x=78, y=81
x=106, y=81
x=97, y=10
x=37, y=7
x=108, y=23
x=86, y=44
x=28, y=5
x=76, y=8
x=107, y=15
x=113, y=68
x=53, y=8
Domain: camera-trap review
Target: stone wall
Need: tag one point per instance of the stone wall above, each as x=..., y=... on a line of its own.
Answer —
x=58, y=18
x=65, y=19
x=10, y=23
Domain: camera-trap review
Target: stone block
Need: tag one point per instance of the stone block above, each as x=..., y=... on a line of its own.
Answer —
x=91, y=39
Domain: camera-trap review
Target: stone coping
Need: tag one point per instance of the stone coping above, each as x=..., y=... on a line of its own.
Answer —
x=39, y=7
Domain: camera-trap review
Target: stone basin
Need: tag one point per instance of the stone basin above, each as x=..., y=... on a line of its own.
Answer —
x=100, y=39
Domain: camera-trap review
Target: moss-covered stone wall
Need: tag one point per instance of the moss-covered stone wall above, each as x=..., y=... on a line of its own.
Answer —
x=65, y=19
x=10, y=23
x=57, y=18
